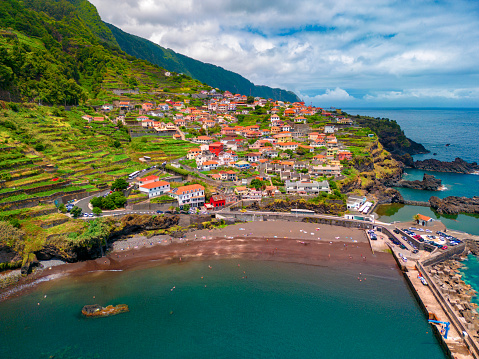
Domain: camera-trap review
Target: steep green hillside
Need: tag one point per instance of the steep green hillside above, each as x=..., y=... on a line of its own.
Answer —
x=210, y=74
x=88, y=13
x=56, y=52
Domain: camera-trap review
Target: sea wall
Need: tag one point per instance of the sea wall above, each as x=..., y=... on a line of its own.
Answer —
x=446, y=306
x=445, y=255
x=424, y=309
x=282, y=216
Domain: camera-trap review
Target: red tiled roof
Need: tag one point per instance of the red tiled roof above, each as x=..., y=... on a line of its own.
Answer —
x=193, y=187
x=148, y=178
x=155, y=184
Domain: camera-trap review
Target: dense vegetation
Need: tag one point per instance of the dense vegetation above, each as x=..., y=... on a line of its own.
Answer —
x=60, y=52
x=56, y=52
x=391, y=136
x=212, y=75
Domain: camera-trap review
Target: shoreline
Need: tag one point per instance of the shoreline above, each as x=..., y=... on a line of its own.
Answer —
x=302, y=243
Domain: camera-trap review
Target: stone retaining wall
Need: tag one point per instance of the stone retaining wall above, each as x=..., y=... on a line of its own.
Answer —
x=281, y=216
x=62, y=197
x=417, y=203
x=442, y=256
x=152, y=206
x=54, y=223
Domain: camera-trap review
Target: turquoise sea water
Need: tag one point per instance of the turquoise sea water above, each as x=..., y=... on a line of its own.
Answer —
x=471, y=273
x=434, y=128
x=281, y=310
x=456, y=185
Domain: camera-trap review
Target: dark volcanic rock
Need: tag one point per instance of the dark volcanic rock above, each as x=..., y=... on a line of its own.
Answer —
x=96, y=310
x=71, y=251
x=27, y=268
x=456, y=166
x=428, y=183
x=455, y=205
x=134, y=223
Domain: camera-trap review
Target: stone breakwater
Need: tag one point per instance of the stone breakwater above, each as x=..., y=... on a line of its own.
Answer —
x=459, y=294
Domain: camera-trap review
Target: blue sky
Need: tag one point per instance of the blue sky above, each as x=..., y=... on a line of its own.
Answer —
x=342, y=53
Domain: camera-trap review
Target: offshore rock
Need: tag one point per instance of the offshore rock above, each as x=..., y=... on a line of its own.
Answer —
x=456, y=166
x=96, y=310
x=455, y=205
x=428, y=183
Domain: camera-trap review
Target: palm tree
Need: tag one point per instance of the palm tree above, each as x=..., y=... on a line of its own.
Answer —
x=416, y=218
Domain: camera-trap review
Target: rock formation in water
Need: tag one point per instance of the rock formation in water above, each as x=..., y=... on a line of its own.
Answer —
x=96, y=310
x=455, y=205
x=428, y=183
x=456, y=166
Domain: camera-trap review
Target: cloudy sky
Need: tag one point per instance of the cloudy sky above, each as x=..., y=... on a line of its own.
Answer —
x=343, y=53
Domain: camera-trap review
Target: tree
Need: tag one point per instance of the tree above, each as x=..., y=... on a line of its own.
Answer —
x=116, y=144
x=97, y=211
x=416, y=218
x=186, y=207
x=62, y=208
x=96, y=202
x=119, y=199
x=119, y=184
x=256, y=183
x=76, y=212
x=250, y=99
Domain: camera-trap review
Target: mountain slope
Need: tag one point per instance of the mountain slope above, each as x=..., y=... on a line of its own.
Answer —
x=212, y=75
x=88, y=13
x=60, y=52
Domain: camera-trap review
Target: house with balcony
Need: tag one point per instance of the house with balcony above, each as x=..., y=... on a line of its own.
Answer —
x=284, y=146
x=193, y=195
x=308, y=188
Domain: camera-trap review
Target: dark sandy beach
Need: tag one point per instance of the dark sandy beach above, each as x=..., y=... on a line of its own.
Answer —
x=305, y=243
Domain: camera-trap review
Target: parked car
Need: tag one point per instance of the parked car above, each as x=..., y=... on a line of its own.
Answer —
x=396, y=231
x=159, y=211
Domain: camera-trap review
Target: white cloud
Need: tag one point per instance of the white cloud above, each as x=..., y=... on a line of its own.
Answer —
x=371, y=45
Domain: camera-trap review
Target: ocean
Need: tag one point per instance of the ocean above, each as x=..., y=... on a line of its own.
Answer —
x=187, y=310
x=434, y=128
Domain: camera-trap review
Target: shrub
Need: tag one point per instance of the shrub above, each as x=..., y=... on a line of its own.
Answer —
x=76, y=212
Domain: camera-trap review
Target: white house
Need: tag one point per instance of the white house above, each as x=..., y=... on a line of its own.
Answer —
x=306, y=187
x=156, y=188
x=193, y=195
x=330, y=129
x=147, y=179
x=208, y=165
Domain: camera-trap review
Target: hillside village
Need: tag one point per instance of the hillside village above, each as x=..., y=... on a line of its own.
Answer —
x=250, y=147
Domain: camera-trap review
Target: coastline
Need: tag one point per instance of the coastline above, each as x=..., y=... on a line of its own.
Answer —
x=292, y=242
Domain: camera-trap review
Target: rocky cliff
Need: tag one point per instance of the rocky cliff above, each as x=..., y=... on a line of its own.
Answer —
x=428, y=183
x=455, y=205
x=78, y=250
x=456, y=166
x=377, y=172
